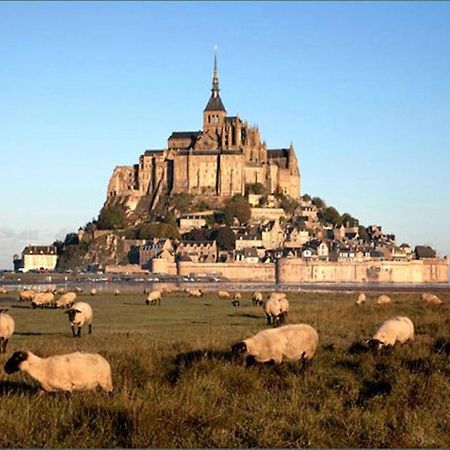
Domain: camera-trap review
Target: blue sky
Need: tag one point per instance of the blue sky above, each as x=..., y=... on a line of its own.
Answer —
x=361, y=89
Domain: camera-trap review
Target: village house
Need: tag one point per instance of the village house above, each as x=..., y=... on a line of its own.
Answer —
x=197, y=251
x=37, y=257
x=272, y=235
x=157, y=248
x=247, y=255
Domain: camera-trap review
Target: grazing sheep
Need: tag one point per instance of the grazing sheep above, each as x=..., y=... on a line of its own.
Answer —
x=383, y=300
x=93, y=292
x=398, y=329
x=154, y=298
x=67, y=300
x=194, y=292
x=431, y=299
x=3, y=290
x=257, y=298
x=223, y=294
x=293, y=342
x=116, y=292
x=26, y=295
x=272, y=308
x=43, y=299
x=6, y=329
x=70, y=372
x=78, y=290
x=146, y=291
x=80, y=314
x=361, y=299
x=236, y=299
x=61, y=291
x=284, y=306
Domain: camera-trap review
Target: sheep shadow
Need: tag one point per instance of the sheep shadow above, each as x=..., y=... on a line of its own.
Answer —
x=247, y=315
x=35, y=333
x=371, y=388
x=21, y=306
x=17, y=388
x=441, y=346
x=187, y=360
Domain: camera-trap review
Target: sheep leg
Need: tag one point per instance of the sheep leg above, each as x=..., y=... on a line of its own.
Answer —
x=4, y=344
x=90, y=329
x=79, y=332
x=269, y=319
x=73, y=330
x=1, y=344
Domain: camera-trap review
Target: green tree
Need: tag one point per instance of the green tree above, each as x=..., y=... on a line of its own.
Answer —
x=347, y=219
x=363, y=233
x=225, y=238
x=306, y=197
x=330, y=215
x=255, y=188
x=113, y=216
x=319, y=203
x=181, y=202
x=238, y=207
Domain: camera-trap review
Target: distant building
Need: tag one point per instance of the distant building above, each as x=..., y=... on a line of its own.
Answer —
x=37, y=257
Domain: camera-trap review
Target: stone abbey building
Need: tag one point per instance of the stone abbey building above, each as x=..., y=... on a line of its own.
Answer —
x=217, y=161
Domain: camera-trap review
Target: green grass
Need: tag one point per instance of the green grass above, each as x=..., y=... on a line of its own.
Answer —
x=398, y=398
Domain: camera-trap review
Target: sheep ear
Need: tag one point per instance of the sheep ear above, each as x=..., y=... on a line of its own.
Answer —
x=77, y=310
x=68, y=311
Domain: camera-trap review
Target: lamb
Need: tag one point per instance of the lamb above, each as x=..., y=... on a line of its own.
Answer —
x=383, y=300
x=398, y=329
x=67, y=300
x=293, y=342
x=80, y=314
x=93, y=292
x=361, y=299
x=43, y=299
x=257, y=298
x=77, y=371
x=431, y=299
x=6, y=329
x=284, y=306
x=26, y=295
x=154, y=298
x=116, y=292
x=223, y=294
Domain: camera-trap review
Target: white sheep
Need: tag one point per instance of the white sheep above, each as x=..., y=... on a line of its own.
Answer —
x=116, y=292
x=223, y=294
x=78, y=290
x=6, y=329
x=361, y=298
x=293, y=342
x=3, y=290
x=26, y=296
x=257, y=298
x=398, y=329
x=194, y=292
x=67, y=299
x=77, y=371
x=93, y=292
x=272, y=308
x=431, y=299
x=80, y=314
x=154, y=298
x=61, y=291
x=43, y=299
x=383, y=300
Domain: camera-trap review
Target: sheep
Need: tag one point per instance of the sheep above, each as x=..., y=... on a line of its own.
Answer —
x=273, y=309
x=284, y=305
x=223, y=294
x=7, y=326
x=80, y=314
x=61, y=291
x=3, y=290
x=361, y=298
x=26, y=295
x=43, y=299
x=236, y=299
x=293, y=342
x=68, y=299
x=154, y=298
x=431, y=299
x=78, y=290
x=93, y=292
x=116, y=292
x=398, y=329
x=77, y=371
x=146, y=291
x=194, y=292
x=257, y=298
x=383, y=300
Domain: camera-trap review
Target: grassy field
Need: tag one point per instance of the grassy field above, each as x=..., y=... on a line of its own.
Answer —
x=167, y=395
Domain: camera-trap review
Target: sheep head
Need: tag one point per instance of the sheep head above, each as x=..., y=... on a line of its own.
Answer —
x=13, y=363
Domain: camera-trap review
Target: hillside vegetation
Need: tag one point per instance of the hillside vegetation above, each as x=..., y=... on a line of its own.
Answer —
x=176, y=387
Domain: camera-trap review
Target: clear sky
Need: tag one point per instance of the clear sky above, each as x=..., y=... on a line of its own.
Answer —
x=361, y=89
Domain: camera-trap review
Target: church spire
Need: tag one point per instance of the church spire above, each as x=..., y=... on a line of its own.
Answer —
x=215, y=80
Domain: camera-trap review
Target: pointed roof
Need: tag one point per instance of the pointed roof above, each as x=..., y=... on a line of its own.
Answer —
x=215, y=102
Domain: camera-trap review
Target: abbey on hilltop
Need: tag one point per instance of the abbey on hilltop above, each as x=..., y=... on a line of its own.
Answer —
x=218, y=161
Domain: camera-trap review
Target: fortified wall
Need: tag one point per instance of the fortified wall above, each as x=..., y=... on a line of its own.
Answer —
x=292, y=271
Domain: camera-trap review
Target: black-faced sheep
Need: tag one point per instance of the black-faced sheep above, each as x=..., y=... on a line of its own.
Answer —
x=398, y=329
x=26, y=295
x=154, y=298
x=43, y=299
x=80, y=314
x=93, y=292
x=361, y=299
x=284, y=307
x=273, y=309
x=383, y=300
x=223, y=294
x=291, y=342
x=71, y=372
x=116, y=292
x=6, y=329
x=257, y=298
x=431, y=299
x=66, y=300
